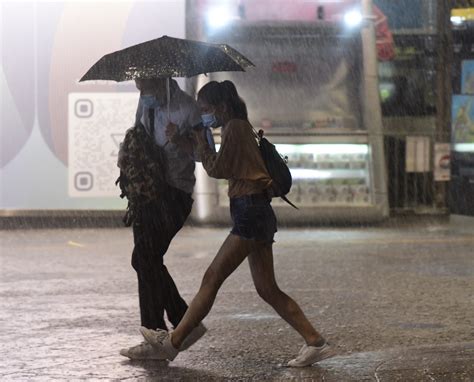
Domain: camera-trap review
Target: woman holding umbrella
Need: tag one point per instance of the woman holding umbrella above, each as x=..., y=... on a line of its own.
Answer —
x=239, y=161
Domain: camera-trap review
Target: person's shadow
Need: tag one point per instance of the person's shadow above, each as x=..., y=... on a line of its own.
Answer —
x=162, y=371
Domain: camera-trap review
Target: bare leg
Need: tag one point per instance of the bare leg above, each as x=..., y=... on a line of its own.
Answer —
x=261, y=267
x=231, y=254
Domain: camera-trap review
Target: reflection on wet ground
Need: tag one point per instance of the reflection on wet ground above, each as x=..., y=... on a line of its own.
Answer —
x=395, y=301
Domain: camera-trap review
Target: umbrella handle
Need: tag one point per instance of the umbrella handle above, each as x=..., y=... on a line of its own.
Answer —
x=168, y=96
x=168, y=103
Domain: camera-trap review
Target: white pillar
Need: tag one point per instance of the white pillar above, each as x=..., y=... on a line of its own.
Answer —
x=372, y=112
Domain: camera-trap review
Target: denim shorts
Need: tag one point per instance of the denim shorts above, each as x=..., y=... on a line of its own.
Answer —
x=253, y=218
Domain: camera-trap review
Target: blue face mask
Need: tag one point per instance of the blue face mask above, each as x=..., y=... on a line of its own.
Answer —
x=209, y=120
x=149, y=101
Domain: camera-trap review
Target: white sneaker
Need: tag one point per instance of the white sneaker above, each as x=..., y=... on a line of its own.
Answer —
x=143, y=351
x=161, y=340
x=312, y=354
x=193, y=337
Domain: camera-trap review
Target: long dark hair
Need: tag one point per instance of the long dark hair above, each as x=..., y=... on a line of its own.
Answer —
x=216, y=93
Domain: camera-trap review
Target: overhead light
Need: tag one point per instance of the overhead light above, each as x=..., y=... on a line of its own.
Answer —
x=353, y=18
x=457, y=20
x=219, y=17
x=321, y=148
x=464, y=147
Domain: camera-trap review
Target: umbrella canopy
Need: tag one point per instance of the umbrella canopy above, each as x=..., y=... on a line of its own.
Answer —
x=167, y=57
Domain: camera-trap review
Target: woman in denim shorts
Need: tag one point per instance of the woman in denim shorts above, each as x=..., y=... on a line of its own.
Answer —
x=254, y=226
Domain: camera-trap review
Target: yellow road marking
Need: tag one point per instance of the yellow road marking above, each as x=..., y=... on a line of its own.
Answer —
x=74, y=244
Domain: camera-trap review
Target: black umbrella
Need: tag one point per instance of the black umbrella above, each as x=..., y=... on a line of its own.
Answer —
x=167, y=57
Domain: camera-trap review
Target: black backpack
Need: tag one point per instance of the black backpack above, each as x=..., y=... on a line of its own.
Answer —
x=277, y=168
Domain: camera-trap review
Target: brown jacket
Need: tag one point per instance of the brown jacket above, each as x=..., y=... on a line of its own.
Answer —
x=237, y=160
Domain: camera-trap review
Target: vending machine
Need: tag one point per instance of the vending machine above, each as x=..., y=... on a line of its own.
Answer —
x=306, y=93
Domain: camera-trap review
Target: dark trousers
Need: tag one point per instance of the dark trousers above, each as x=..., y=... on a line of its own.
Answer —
x=156, y=225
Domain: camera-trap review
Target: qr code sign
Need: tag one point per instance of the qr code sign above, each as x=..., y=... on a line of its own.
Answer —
x=97, y=123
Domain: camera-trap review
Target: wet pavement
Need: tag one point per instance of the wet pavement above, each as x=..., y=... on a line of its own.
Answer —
x=397, y=301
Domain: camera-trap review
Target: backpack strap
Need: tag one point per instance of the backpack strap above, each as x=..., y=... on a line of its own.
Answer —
x=256, y=134
x=289, y=202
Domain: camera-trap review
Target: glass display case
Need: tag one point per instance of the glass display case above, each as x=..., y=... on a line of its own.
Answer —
x=333, y=181
x=323, y=175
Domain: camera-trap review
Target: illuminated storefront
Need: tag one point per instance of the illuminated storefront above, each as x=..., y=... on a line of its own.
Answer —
x=306, y=92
